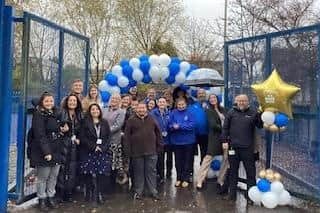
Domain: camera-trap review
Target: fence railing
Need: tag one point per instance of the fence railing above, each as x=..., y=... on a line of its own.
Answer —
x=52, y=57
x=296, y=55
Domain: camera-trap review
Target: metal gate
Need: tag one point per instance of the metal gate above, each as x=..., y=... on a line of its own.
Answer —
x=296, y=55
x=47, y=57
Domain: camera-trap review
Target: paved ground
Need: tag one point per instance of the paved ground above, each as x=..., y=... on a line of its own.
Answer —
x=175, y=200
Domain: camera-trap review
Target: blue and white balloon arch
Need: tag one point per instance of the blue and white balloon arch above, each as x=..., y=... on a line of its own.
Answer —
x=145, y=69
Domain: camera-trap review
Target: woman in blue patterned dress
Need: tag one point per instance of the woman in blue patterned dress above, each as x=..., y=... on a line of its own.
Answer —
x=95, y=162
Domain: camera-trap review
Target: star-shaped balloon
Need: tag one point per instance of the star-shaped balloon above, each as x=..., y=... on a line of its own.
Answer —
x=275, y=95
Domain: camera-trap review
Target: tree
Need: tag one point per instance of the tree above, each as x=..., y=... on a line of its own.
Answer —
x=253, y=17
x=95, y=21
x=166, y=47
x=146, y=22
x=199, y=42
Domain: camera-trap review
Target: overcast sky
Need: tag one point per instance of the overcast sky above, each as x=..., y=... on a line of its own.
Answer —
x=209, y=9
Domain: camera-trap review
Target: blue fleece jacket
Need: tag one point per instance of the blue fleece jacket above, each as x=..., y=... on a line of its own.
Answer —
x=186, y=132
x=163, y=122
x=201, y=118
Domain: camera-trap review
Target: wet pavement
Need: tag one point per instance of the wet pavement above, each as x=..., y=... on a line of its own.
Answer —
x=175, y=200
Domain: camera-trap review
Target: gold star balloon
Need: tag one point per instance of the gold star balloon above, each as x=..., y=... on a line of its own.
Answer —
x=275, y=95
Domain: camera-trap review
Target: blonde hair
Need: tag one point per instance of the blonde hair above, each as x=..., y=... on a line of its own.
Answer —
x=117, y=96
x=88, y=100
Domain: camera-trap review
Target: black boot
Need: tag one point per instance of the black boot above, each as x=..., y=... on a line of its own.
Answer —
x=100, y=198
x=88, y=188
x=88, y=193
x=95, y=192
x=52, y=203
x=43, y=205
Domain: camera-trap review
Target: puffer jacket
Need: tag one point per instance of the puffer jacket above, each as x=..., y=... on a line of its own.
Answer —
x=46, y=138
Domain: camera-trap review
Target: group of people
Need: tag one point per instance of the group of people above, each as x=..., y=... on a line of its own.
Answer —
x=85, y=143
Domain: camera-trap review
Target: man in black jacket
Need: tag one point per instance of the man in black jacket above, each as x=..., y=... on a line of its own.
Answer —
x=238, y=137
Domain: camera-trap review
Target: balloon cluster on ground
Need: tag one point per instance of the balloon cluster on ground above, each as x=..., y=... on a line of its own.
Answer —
x=156, y=68
x=275, y=97
x=215, y=167
x=269, y=190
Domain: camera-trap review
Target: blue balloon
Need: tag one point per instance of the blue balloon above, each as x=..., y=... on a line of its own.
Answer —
x=145, y=67
x=281, y=120
x=171, y=79
x=127, y=71
x=219, y=98
x=146, y=79
x=125, y=90
x=175, y=60
x=112, y=79
x=192, y=67
x=215, y=165
x=132, y=83
x=264, y=185
x=105, y=96
x=184, y=87
x=194, y=93
x=174, y=68
x=144, y=57
x=124, y=62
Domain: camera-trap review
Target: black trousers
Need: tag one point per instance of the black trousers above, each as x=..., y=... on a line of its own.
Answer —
x=202, y=140
x=161, y=161
x=246, y=155
x=184, y=155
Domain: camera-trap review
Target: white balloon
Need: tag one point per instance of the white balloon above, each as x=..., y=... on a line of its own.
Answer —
x=155, y=73
x=164, y=73
x=254, y=194
x=184, y=66
x=164, y=60
x=180, y=78
x=103, y=85
x=210, y=174
x=117, y=70
x=268, y=117
x=277, y=187
x=284, y=198
x=269, y=200
x=218, y=157
x=114, y=90
x=134, y=63
x=154, y=60
x=137, y=75
x=123, y=81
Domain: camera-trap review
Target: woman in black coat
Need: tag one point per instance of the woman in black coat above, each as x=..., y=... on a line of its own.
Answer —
x=95, y=161
x=216, y=116
x=71, y=114
x=45, y=142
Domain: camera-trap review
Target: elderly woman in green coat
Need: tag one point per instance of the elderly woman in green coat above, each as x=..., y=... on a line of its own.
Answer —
x=216, y=116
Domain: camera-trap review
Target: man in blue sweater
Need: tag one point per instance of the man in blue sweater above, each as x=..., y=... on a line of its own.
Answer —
x=198, y=109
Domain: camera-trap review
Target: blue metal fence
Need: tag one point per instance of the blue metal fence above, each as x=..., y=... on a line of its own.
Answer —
x=296, y=55
x=52, y=56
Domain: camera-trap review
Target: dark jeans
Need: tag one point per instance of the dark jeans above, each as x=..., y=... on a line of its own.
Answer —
x=246, y=155
x=161, y=161
x=145, y=173
x=183, y=159
x=202, y=140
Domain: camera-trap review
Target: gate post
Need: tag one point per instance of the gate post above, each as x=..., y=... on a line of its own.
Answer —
x=268, y=135
x=6, y=55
